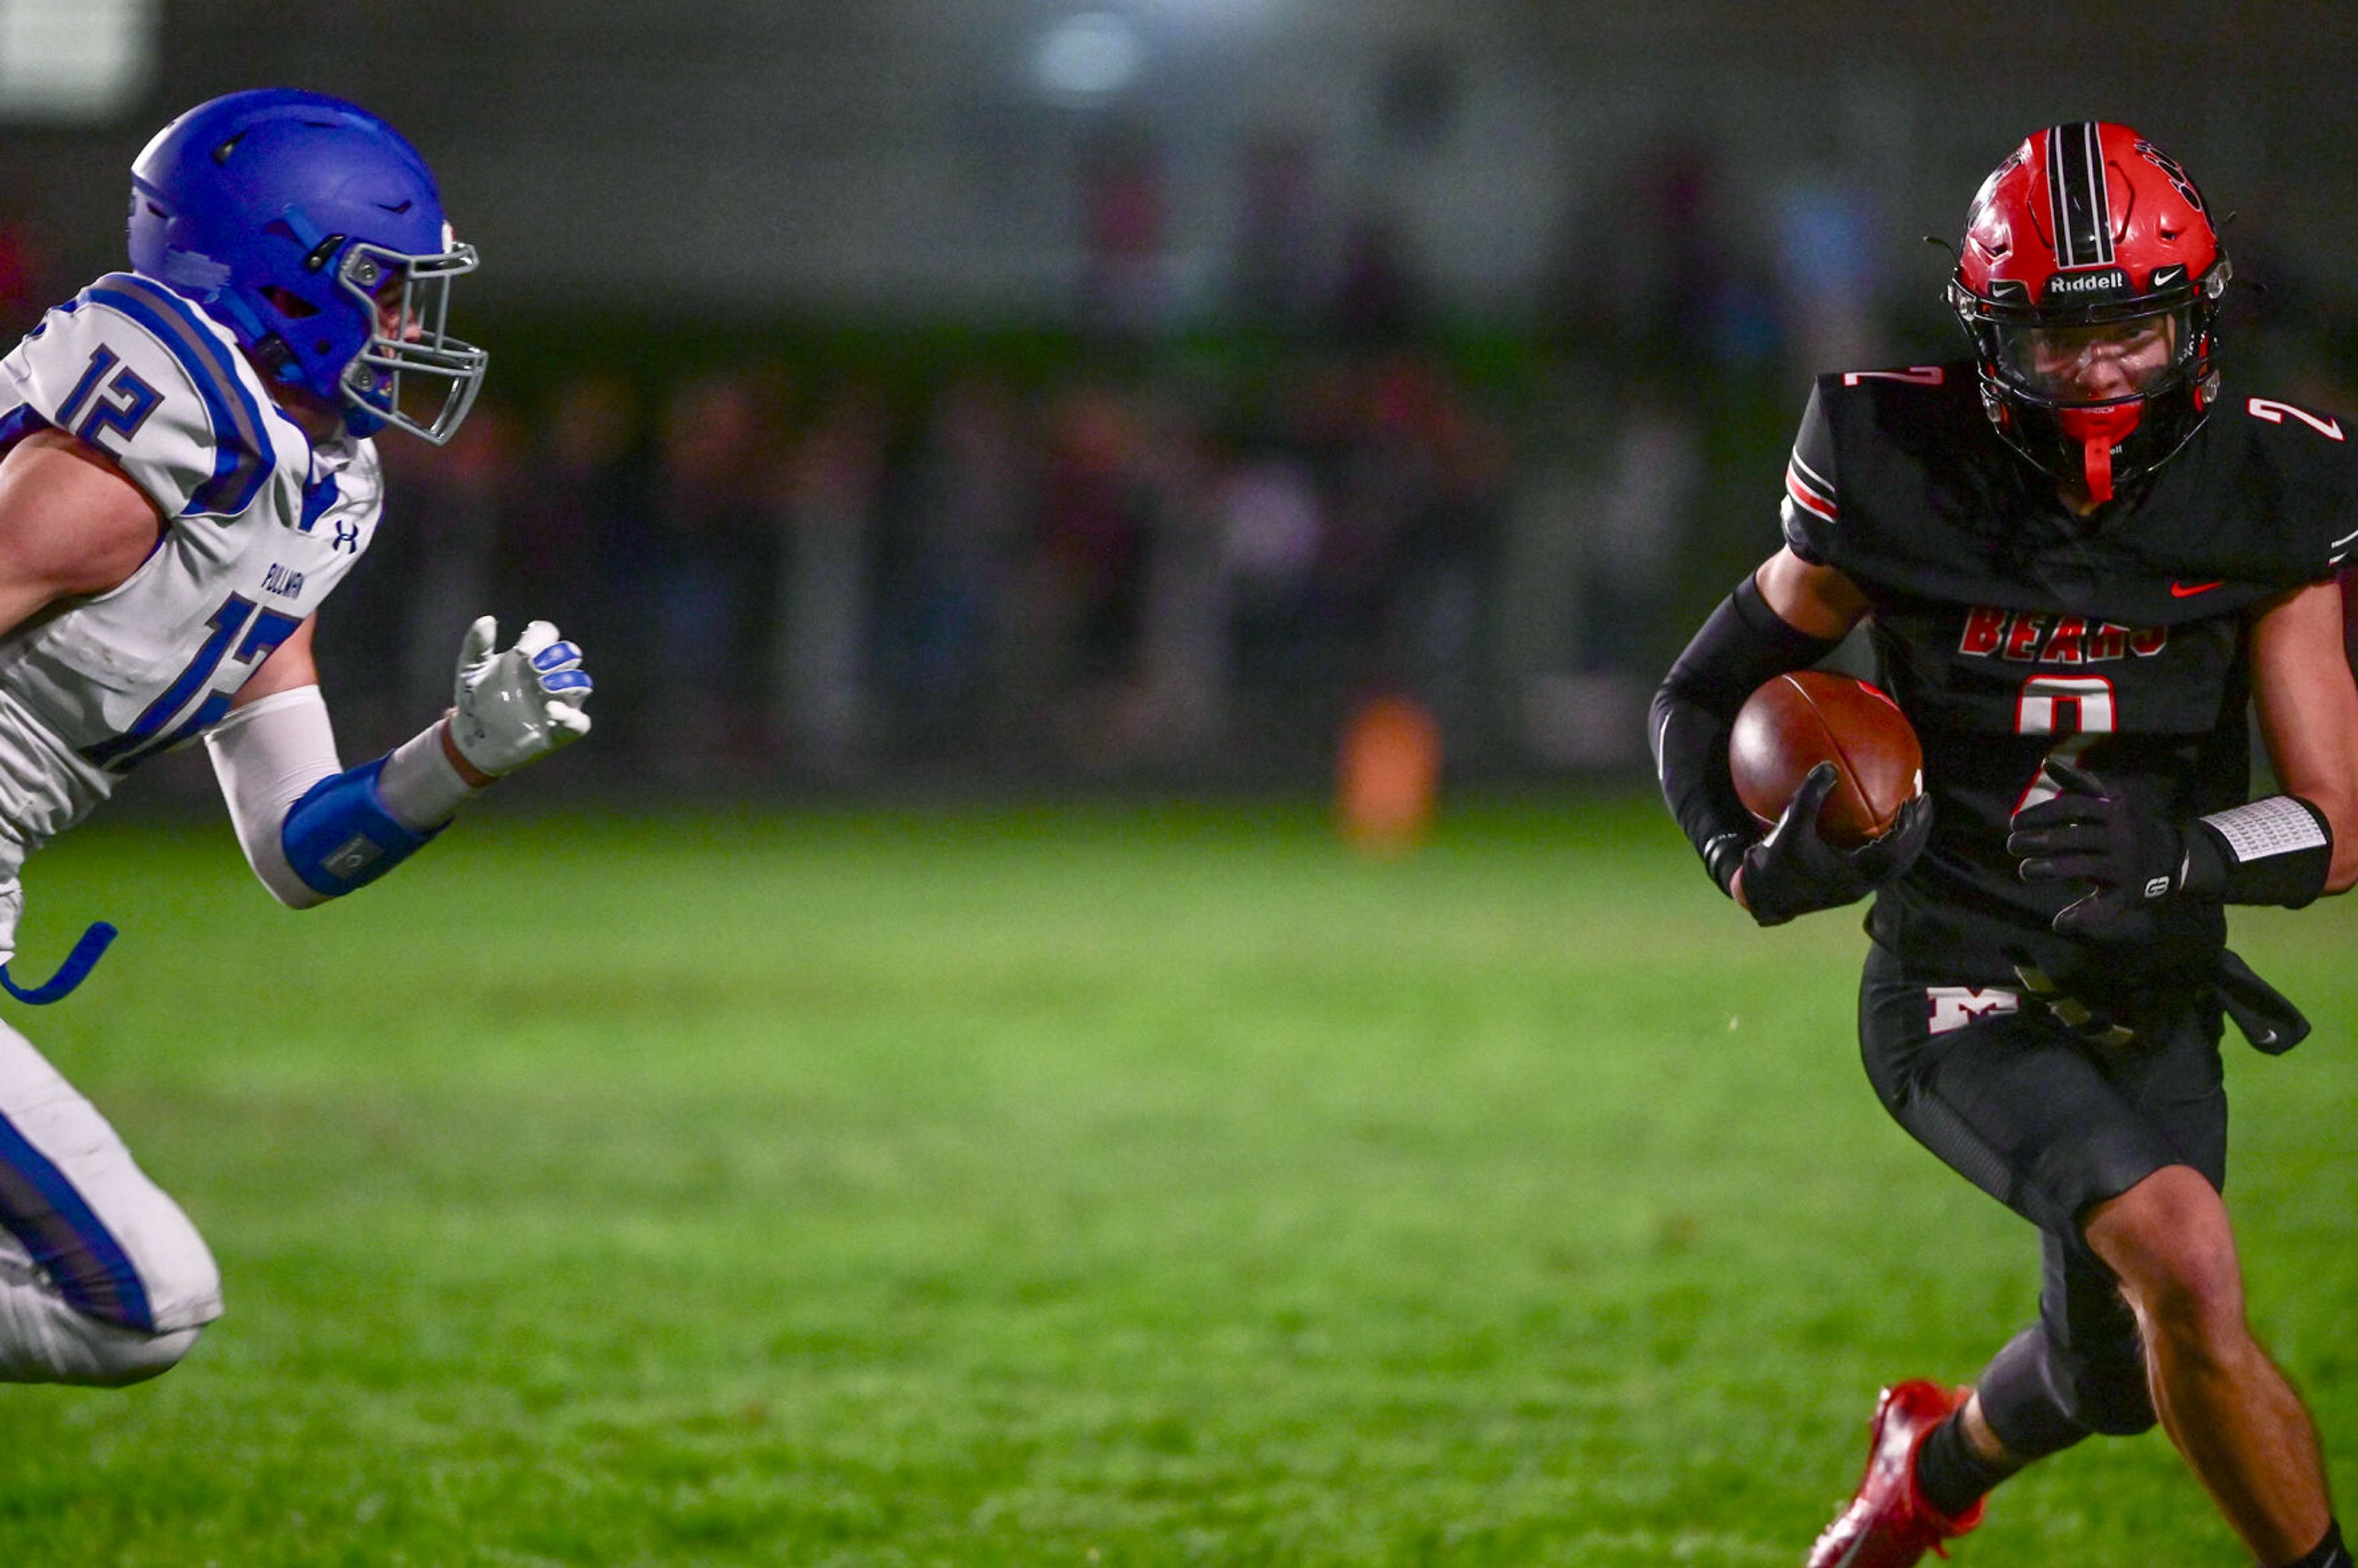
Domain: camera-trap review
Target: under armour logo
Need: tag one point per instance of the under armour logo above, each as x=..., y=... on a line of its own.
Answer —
x=348, y=537
x=1953, y=1007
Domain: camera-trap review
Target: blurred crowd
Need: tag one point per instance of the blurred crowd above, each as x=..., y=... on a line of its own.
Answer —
x=1196, y=536
x=1093, y=577
x=1179, y=554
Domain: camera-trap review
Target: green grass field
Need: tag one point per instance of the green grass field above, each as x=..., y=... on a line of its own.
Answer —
x=1110, y=1187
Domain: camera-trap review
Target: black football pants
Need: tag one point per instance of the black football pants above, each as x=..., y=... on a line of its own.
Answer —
x=2050, y=1125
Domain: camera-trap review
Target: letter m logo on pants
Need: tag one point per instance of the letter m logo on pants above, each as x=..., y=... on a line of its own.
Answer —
x=1953, y=1007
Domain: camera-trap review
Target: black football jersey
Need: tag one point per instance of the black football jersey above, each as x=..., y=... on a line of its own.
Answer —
x=2010, y=631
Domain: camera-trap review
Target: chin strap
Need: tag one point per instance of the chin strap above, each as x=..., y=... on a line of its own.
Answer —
x=2099, y=430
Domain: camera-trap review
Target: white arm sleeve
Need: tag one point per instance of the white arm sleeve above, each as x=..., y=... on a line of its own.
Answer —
x=419, y=785
x=265, y=755
x=270, y=752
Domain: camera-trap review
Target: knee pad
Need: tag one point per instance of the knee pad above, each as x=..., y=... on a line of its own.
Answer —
x=2040, y=1399
x=2023, y=1400
x=2110, y=1393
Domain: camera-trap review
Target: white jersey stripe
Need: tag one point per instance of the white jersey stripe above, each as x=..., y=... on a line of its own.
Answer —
x=1805, y=496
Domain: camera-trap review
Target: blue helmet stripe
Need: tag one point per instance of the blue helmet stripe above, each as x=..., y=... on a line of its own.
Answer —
x=243, y=453
x=42, y=1209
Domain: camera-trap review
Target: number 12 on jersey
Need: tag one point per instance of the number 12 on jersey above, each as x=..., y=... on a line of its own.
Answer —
x=264, y=630
x=2077, y=708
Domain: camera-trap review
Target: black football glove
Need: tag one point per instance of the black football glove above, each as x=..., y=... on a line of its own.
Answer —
x=1793, y=871
x=2132, y=859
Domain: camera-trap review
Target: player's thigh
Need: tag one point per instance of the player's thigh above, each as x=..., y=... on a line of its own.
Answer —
x=2174, y=1078
x=113, y=1243
x=2044, y=1122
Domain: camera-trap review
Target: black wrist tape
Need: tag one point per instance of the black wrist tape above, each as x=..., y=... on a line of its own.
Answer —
x=2274, y=850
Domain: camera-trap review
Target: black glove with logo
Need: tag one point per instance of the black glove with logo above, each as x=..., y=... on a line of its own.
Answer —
x=1793, y=871
x=2133, y=860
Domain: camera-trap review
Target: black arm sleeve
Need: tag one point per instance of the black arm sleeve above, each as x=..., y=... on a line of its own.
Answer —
x=1744, y=643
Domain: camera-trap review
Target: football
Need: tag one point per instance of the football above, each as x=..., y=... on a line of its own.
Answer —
x=1796, y=721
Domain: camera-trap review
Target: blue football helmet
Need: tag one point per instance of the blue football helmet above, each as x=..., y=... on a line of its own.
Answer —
x=313, y=232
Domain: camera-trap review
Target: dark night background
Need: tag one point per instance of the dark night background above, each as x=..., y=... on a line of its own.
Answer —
x=999, y=393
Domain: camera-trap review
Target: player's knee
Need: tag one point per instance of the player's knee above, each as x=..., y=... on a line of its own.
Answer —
x=2199, y=1312
x=50, y=1342
x=184, y=1287
x=125, y=1357
x=2192, y=1302
x=48, y=1338
x=2167, y=1241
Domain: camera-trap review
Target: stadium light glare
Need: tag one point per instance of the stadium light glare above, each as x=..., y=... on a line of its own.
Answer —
x=75, y=61
x=1089, y=55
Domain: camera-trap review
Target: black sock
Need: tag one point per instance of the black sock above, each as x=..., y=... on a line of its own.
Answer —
x=1952, y=1476
x=2327, y=1554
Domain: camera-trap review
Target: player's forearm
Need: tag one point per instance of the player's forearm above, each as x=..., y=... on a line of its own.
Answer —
x=1743, y=644
x=266, y=755
x=2341, y=812
x=2339, y=808
x=2320, y=767
x=2307, y=706
x=2343, y=874
x=311, y=830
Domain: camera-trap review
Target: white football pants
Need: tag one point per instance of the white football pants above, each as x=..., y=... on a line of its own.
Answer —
x=103, y=1279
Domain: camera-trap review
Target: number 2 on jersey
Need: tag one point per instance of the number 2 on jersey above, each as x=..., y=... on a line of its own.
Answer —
x=2077, y=708
x=264, y=629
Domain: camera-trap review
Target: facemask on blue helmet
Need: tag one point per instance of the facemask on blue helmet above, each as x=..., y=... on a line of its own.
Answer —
x=314, y=232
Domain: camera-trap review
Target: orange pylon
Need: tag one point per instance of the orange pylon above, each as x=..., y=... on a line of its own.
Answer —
x=1388, y=776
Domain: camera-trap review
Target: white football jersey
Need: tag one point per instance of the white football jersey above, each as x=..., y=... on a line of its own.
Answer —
x=261, y=525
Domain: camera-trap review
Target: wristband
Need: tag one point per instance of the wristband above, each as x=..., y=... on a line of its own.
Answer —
x=2277, y=850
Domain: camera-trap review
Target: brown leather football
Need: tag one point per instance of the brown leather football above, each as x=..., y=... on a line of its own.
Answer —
x=1796, y=721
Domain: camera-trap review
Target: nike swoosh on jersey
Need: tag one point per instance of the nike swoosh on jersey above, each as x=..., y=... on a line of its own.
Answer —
x=2189, y=589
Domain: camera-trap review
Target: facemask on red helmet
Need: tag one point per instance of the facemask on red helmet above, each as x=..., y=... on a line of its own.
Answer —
x=2089, y=280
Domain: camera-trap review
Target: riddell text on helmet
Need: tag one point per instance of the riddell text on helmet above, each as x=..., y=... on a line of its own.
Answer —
x=2111, y=278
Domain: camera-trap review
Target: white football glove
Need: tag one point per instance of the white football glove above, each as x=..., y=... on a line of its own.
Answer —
x=514, y=706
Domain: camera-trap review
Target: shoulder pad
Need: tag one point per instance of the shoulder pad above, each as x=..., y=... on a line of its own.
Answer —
x=1811, y=505
x=136, y=372
x=2315, y=469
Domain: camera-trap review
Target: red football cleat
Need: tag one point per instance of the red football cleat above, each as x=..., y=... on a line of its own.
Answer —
x=1888, y=1524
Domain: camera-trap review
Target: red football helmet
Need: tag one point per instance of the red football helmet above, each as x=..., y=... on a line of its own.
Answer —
x=2089, y=280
